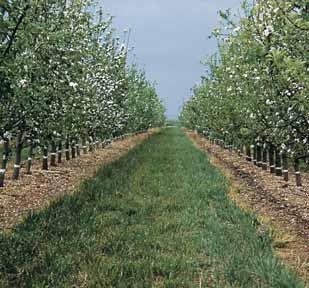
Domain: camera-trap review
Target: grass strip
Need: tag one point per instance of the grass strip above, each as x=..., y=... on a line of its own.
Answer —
x=157, y=217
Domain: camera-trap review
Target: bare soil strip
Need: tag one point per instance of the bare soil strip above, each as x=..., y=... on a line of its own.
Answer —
x=281, y=206
x=20, y=197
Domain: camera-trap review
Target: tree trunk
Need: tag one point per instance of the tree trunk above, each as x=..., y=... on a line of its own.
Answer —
x=278, y=163
x=45, y=158
x=73, y=150
x=248, y=153
x=29, y=162
x=254, y=155
x=84, y=143
x=18, y=148
x=259, y=155
x=264, y=163
x=60, y=151
x=297, y=173
x=5, y=155
x=285, y=164
x=230, y=147
x=78, y=150
x=53, y=154
x=272, y=159
x=91, y=149
x=239, y=151
x=67, y=150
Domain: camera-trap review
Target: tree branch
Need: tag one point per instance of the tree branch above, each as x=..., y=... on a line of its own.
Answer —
x=19, y=22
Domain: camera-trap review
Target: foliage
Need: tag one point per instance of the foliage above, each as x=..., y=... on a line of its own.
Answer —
x=256, y=90
x=64, y=76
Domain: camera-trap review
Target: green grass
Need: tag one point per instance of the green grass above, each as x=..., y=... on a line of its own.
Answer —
x=24, y=153
x=158, y=217
x=171, y=122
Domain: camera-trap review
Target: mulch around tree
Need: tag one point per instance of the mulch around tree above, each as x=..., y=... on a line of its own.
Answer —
x=282, y=208
x=34, y=192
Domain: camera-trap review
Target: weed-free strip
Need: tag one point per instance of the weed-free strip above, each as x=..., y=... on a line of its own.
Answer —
x=157, y=217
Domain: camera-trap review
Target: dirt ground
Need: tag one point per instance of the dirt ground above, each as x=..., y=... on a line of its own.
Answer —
x=281, y=207
x=34, y=192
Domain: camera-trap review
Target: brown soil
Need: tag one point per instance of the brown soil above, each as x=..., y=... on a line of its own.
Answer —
x=18, y=198
x=281, y=207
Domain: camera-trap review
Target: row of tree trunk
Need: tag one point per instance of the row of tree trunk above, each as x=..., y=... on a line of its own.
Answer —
x=52, y=154
x=268, y=158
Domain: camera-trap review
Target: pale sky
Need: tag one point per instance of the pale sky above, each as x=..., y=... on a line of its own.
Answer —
x=170, y=38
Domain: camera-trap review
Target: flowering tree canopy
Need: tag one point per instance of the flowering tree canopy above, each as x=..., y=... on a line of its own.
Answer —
x=64, y=76
x=256, y=90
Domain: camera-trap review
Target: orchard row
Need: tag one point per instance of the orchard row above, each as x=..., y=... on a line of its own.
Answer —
x=256, y=94
x=65, y=81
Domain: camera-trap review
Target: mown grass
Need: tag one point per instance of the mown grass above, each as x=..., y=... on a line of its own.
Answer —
x=158, y=217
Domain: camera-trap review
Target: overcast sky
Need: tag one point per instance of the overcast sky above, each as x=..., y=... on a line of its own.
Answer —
x=170, y=38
